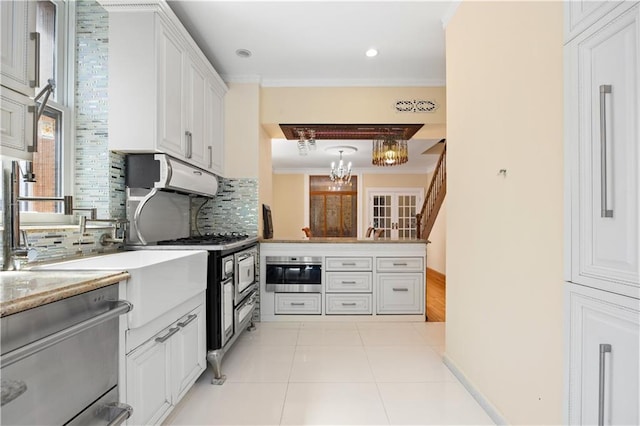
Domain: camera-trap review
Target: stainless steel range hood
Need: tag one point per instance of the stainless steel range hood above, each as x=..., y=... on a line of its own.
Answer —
x=163, y=172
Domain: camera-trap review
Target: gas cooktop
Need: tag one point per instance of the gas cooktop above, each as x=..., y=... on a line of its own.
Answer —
x=204, y=242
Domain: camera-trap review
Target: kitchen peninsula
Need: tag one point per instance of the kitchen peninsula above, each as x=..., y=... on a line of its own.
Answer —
x=337, y=278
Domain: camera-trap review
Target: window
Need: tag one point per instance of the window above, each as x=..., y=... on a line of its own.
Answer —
x=54, y=23
x=333, y=210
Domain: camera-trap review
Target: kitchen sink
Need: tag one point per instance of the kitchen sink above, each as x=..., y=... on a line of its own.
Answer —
x=160, y=279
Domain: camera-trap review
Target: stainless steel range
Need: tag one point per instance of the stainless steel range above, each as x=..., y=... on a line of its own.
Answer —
x=159, y=191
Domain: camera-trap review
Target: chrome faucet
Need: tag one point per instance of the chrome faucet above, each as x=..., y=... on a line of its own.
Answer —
x=118, y=229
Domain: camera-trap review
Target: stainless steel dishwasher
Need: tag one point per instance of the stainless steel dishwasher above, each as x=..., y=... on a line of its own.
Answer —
x=59, y=362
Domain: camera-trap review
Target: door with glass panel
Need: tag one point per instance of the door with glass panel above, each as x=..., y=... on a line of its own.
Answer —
x=394, y=211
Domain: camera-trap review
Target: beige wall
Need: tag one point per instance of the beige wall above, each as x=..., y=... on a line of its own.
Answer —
x=287, y=208
x=504, y=234
x=242, y=130
x=350, y=105
x=265, y=177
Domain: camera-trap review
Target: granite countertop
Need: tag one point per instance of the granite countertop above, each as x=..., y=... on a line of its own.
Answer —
x=346, y=240
x=22, y=290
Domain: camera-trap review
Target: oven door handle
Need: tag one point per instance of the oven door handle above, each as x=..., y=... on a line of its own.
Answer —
x=124, y=411
x=121, y=307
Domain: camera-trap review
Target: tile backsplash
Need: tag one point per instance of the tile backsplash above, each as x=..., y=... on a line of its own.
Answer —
x=234, y=209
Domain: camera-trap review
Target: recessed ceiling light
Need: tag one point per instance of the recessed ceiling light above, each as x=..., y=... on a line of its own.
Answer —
x=243, y=53
x=371, y=52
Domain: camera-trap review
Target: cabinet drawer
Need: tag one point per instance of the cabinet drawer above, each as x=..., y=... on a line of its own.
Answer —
x=400, y=293
x=349, y=282
x=399, y=264
x=348, y=263
x=298, y=303
x=348, y=304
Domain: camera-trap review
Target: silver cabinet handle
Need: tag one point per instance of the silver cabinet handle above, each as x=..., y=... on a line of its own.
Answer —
x=188, y=320
x=348, y=304
x=400, y=289
x=197, y=172
x=34, y=143
x=604, y=89
x=164, y=338
x=348, y=263
x=348, y=282
x=210, y=156
x=297, y=303
x=188, y=141
x=604, y=348
x=124, y=412
x=36, y=81
x=400, y=264
x=121, y=307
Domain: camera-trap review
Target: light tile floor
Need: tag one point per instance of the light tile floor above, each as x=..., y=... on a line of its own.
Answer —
x=333, y=373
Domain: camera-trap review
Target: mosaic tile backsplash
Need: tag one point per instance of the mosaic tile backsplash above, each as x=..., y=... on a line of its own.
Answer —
x=234, y=209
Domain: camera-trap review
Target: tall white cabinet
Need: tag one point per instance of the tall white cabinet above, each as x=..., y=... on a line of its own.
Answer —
x=602, y=138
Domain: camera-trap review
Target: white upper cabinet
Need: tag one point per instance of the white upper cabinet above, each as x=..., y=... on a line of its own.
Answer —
x=164, y=96
x=19, y=42
x=602, y=149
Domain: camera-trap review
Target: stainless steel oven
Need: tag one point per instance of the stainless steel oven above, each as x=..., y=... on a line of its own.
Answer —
x=245, y=262
x=293, y=274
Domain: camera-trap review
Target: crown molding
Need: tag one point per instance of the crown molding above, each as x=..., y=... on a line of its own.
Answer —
x=295, y=82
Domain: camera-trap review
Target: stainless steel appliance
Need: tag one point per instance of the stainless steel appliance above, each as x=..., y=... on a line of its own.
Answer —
x=293, y=274
x=59, y=362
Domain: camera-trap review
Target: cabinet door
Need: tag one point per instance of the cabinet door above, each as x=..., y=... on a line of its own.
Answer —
x=603, y=139
x=400, y=293
x=149, y=381
x=604, y=335
x=580, y=14
x=171, y=96
x=215, y=127
x=195, y=118
x=16, y=124
x=17, y=66
x=189, y=352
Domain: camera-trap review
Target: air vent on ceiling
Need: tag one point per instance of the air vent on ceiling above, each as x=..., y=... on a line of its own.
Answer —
x=416, y=105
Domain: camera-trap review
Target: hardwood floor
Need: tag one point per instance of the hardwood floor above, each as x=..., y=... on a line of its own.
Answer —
x=436, y=296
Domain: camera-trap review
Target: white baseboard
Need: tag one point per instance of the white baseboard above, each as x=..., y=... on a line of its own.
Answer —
x=484, y=403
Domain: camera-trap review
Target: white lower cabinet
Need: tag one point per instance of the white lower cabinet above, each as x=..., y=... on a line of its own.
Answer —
x=348, y=304
x=298, y=303
x=603, y=357
x=400, y=293
x=161, y=370
x=149, y=382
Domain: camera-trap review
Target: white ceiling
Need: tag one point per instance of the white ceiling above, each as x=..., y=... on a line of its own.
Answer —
x=323, y=43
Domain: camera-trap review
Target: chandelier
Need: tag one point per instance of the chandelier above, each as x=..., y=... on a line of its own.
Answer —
x=340, y=175
x=306, y=141
x=389, y=150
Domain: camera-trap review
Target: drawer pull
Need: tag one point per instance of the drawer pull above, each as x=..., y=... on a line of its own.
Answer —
x=349, y=304
x=188, y=320
x=400, y=289
x=349, y=282
x=297, y=303
x=604, y=348
x=348, y=263
x=164, y=338
x=400, y=264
